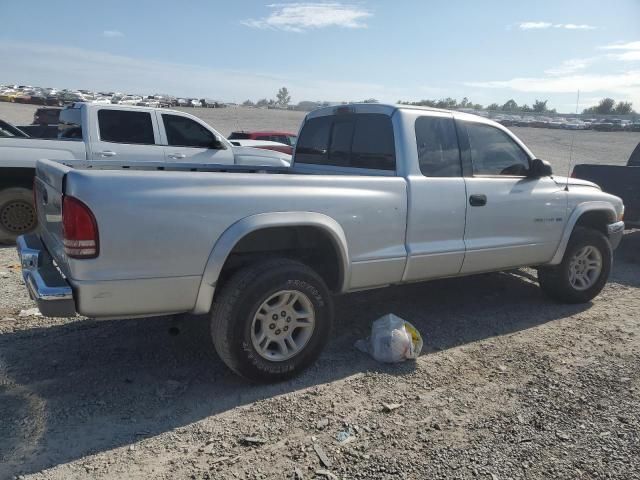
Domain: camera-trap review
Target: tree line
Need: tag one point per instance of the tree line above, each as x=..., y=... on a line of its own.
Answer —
x=539, y=106
x=282, y=100
x=606, y=106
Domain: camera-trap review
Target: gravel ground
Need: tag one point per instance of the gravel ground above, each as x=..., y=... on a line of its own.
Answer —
x=552, y=145
x=509, y=385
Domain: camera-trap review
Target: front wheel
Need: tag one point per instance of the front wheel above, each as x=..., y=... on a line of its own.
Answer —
x=584, y=269
x=271, y=320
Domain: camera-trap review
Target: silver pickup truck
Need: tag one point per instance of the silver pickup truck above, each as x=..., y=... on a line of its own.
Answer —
x=377, y=195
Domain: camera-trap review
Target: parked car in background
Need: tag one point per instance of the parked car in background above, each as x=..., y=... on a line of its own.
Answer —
x=8, y=95
x=575, y=124
x=265, y=144
x=130, y=100
x=209, y=103
x=287, y=138
x=102, y=100
x=603, y=126
x=557, y=123
x=634, y=127
x=100, y=136
x=541, y=122
x=525, y=122
x=617, y=125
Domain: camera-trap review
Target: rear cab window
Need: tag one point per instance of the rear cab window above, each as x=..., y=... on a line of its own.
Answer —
x=125, y=126
x=363, y=141
x=70, y=124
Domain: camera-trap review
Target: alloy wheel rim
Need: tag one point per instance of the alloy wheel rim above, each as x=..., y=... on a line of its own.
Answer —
x=585, y=268
x=283, y=325
x=18, y=217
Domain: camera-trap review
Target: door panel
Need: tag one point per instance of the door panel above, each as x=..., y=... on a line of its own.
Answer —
x=188, y=141
x=437, y=201
x=435, y=227
x=520, y=224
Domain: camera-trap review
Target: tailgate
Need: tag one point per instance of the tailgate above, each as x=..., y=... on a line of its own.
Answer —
x=49, y=189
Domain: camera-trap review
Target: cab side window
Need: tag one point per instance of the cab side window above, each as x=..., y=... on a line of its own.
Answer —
x=124, y=126
x=438, y=151
x=493, y=152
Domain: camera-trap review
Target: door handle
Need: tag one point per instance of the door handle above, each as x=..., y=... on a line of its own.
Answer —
x=177, y=156
x=108, y=153
x=478, y=200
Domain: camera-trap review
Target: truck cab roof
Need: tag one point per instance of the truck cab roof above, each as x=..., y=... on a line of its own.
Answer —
x=390, y=109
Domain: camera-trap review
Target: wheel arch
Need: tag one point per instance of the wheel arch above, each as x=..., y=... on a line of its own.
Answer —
x=596, y=215
x=263, y=222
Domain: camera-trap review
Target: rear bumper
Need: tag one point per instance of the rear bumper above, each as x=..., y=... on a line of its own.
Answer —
x=615, y=232
x=46, y=285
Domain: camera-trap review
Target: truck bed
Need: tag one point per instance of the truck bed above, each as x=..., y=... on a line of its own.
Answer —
x=622, y=181
x=158, y=226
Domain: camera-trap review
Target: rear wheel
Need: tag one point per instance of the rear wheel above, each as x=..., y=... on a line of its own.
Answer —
x=17, y=213
x=271, y=320
x=584, y=269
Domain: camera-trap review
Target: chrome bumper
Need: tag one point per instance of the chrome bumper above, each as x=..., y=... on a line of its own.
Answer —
x=46, y=285
x=615, y=232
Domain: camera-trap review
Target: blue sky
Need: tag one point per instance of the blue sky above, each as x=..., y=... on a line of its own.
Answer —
x=489, y=50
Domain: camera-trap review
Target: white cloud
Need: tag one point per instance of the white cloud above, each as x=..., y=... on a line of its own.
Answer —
x=573, y=26
x=622, y=46
x=545, y=25
x=567, y=83
x=571, y=66
x=626, y=84
x=298, y=17
x=112, y=33
x=630, y=51
x=534, y=25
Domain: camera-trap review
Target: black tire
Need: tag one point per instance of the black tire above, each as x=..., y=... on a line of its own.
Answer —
x=239, y=299
x=555, y=282
x=17, y=213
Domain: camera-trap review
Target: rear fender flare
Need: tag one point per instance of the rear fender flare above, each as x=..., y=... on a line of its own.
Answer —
x=228, y=240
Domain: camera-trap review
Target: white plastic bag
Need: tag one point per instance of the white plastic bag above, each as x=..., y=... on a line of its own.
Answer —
x=392, y=340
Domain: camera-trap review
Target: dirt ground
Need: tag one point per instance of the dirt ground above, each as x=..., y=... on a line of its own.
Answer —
x=509, y=385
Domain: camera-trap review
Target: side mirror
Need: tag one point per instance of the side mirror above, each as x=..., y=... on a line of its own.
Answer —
x=540, y=168
x=216, y=144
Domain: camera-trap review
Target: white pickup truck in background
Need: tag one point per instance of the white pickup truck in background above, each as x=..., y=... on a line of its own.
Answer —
x=111, y=136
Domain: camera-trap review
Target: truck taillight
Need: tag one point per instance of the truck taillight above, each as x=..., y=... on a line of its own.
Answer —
x=79, y=229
